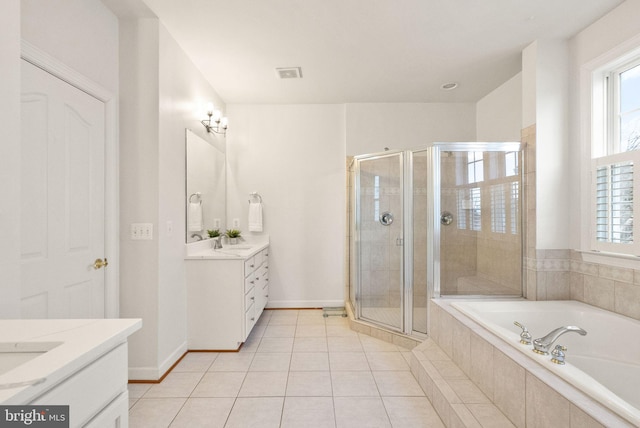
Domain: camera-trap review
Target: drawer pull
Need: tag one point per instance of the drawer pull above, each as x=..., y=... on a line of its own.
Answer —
x=253, y=298
x=257, y=278
x=251, y=265
x=252, y=282
x=253, y=318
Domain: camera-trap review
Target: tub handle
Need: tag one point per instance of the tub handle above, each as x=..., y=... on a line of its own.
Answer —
x=525, y=336
x=558, y=354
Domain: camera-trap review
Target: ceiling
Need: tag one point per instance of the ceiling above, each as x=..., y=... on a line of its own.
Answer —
x=355, y=51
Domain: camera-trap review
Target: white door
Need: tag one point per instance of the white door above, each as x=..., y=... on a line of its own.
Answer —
x=62, y=199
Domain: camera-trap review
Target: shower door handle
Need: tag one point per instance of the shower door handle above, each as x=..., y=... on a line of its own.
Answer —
x=386, y=218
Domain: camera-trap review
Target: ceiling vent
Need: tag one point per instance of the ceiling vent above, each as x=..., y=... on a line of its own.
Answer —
x=289, y=72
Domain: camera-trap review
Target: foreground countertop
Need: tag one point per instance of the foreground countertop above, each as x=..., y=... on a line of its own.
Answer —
x=76, y=344
x=245, y=249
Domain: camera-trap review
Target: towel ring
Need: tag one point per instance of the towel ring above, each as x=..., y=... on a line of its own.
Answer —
x=255, y=195
x=197, y=195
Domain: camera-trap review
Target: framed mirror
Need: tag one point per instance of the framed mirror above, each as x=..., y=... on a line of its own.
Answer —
x=205, y=195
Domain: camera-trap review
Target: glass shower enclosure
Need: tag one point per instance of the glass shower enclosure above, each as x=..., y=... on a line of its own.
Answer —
x=444, y=220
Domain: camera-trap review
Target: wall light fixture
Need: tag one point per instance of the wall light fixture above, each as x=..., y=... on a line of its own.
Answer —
x=215, y=123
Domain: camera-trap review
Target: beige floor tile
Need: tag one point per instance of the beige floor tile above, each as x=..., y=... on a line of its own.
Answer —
x=276, y=344
x=279, y=330
x=309, y=384
x=309, y=361
x=344, y=344
x=360, y=412
x=132, y=402
x=397, y=384
x=387, y=361
x=271, y=362
x=175, y=385
x=411, y=412
x=137, y=390
x=258, y=412
x=219, y=384
x=204, y=412
x=354, y=384
x=308, y=412
x=264, y=384
x=283, y=320
x=196, y=362
x=371, y=344
x=154, y=412
x=348, y=361
x=313, y=330
x=310, y=344
x=340, y=330
x=232, y=362
x=314, y=318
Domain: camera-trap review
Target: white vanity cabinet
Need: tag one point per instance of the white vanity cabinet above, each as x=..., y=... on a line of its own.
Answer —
x=225, y=298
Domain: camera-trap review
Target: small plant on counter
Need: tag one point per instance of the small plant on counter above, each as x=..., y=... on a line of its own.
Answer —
x=233, y=233
x=213, y=233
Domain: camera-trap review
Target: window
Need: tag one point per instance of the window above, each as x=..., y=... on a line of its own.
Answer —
x=510, y=164
x=498, y=209
x=475, y=167
x=616, y=154
x=624, y=121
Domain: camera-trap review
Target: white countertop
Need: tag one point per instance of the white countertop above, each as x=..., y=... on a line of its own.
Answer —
x=204, y=249
x=80, y=343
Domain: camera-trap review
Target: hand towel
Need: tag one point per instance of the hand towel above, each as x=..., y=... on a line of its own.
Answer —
x=255, y=217
x=195, y=217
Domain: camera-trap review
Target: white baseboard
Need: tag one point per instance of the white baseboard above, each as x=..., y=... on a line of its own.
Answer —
x=290, y=304
x=155, y=373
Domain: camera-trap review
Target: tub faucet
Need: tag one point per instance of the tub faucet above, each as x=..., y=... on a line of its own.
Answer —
x=543, y=344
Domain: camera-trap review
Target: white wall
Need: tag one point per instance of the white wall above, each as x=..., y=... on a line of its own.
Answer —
x=372, y=127
x=160, y=93
x=183, y=93
x=613, y=34
x=546, y=66
x=10, y=196
x=499, y=113
x=294, y=156
x=81, y=33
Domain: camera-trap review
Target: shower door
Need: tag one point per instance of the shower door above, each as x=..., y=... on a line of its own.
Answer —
x=379, y=239
x=479, y=227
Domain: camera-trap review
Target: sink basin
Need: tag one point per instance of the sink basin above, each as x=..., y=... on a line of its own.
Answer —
x=14, y=354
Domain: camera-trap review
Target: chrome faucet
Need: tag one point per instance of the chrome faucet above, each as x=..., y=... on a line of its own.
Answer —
x=197, y=235
x=217, y=242
x=543, y=344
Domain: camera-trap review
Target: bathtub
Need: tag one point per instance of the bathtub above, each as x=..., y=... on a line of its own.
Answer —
x=604, y=364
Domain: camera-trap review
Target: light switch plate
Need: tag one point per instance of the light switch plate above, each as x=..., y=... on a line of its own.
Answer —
x=236, y=223
x=141, y=231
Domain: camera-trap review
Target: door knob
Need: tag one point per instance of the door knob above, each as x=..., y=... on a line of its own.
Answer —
x=100, y=264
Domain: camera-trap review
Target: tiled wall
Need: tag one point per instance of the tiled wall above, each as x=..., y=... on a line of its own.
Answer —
x=563, y=274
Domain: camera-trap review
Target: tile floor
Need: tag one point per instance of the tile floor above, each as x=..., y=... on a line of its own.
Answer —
x=297, y=369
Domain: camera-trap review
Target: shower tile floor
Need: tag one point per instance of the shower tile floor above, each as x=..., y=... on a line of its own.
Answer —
x=297, y=369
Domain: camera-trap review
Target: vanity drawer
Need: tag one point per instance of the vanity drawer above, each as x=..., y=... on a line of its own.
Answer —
x=249, y=320
x=249, y=266
x=250, y=298
x=249, y=283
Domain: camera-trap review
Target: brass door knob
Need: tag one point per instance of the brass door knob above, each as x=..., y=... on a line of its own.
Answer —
x=99, y=263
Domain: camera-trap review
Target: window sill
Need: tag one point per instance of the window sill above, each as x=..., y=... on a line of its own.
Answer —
x=611, y=259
